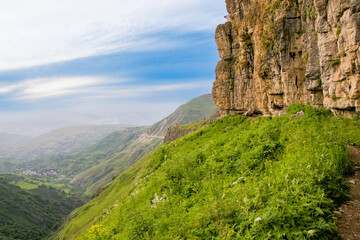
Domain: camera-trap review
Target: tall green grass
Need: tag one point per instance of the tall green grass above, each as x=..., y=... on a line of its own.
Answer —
x=268, y=178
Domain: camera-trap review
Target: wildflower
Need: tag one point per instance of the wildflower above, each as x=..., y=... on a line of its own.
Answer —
x=157, y=199
x=134, y=193
x=258, y=219
x=308, y=166
x=311, y=232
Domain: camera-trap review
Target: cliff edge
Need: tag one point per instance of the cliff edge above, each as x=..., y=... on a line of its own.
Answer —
x=274, y=53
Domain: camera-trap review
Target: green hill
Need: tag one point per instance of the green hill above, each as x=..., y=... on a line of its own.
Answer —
x=31, y=213
x=238, y=178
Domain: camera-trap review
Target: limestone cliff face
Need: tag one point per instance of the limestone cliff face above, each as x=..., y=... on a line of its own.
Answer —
x=277, y=52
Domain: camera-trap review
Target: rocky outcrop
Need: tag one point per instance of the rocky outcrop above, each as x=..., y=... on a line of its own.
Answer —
x=178, y=131
x=175, y=132
x=278, y=52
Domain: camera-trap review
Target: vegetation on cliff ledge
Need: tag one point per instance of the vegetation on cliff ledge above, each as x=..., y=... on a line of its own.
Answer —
x=237, y=178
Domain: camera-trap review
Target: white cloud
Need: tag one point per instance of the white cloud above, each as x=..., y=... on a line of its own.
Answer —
x=49, y=87
x=89, y=87
x=43, y=88
x=35, y=32
x=7, y=89
x=141, y=91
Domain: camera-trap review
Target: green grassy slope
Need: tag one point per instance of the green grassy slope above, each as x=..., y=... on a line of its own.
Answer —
x=31, y=213
x=268, y=178
x=61, y=142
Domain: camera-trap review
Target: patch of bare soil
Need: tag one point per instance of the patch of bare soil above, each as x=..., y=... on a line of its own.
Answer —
x=349, y=216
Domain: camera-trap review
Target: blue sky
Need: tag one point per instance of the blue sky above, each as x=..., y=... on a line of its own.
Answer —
x=103, y=61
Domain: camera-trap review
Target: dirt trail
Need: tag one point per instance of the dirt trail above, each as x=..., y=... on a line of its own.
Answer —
x=349, y=218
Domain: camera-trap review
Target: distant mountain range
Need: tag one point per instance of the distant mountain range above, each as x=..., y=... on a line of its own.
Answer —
x=60, y=142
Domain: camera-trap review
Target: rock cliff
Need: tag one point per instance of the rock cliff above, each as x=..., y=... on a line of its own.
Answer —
x=277, y=52
x=178, y=131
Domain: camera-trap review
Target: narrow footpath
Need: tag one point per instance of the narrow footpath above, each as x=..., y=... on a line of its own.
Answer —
x=349, y=217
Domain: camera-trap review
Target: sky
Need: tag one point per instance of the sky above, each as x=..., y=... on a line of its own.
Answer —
x=69, y=62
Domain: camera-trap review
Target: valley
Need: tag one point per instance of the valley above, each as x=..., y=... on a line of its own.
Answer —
x=65, y=166
x=32, y=208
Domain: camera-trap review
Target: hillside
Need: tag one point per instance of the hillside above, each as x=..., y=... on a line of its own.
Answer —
x=105, y=148
x=60, y=142
x=195, y=109
x=32, y=212
x=264, y=178
x=94, y=179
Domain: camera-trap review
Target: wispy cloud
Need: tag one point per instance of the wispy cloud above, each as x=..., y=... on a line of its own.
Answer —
x=8, y=88
x=50, y=87
x=37, y=32
x=129, y=92
x=88, y=87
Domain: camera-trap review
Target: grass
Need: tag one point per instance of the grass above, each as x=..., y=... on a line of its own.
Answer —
x=335, y=62
x=25, y=185
x=268, y=178
x=28, y=182
x=306, y=58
